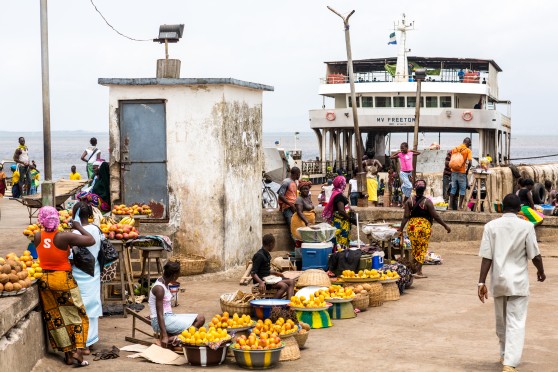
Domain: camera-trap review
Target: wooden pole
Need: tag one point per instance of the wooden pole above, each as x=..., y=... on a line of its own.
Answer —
x=358, y=139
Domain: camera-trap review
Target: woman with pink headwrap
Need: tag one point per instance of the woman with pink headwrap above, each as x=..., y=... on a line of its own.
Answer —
x=63, y=309
x=336, y=214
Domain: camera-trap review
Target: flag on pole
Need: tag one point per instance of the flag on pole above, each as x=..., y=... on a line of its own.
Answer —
x=392, y=39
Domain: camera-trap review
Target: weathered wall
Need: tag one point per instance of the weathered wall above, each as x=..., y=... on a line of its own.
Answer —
x=214, y=167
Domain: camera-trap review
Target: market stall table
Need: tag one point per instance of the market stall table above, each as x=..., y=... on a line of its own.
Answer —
x=123, y=278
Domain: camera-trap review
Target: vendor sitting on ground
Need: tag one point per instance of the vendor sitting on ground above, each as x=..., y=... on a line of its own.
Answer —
x=261, y=269
x=163, y=320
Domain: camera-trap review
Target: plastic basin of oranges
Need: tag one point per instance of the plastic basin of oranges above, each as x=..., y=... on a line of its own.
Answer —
x=252, y=342
x=279, y=328
x=335, y=292
x=203, y=336
x=312, y=302
x=225, y=321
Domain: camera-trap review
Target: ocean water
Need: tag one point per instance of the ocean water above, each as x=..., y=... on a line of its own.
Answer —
x=67, y=147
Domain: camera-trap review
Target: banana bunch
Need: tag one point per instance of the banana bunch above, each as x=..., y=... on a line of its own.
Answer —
x=108, y=221
x=128, y=221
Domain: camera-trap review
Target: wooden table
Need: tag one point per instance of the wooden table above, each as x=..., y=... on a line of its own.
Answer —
x=123, y=278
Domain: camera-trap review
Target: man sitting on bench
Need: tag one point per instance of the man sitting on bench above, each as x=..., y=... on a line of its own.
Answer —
x=261, y=269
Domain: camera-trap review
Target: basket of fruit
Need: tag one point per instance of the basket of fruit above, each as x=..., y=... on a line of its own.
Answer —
x=257, y=352
x=281, y=328
x=335, y=294
x=190, y=264
x=237, y=302
x=361, y=301
x=302, y=336
x=363, y=276
x=205, y=347
x=441, y=206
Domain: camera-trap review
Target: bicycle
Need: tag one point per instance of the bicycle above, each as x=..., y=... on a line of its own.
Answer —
x=269, y=197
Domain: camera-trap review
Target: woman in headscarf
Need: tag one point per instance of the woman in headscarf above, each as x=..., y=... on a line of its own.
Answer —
x=420, y=214
x=89, y=278
x=305, y=214
x=336, y=214
x=63, y=309
x=99, y=195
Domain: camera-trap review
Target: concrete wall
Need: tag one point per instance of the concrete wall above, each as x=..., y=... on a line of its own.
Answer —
x=214, y=167
x=22, y=338
x=466, y=226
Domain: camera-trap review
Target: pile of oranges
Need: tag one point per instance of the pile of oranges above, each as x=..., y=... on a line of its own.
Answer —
x=225, y=321
x=203, y=336
x=264, y=342
x=279, y=328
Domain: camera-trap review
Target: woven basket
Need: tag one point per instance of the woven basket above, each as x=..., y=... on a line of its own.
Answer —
x=301, y=338
x=231, y=307
x=376, y=294
x=391, y=292
x=313, y=277
x=291, y=351
x=361, y=301
x=190, y=264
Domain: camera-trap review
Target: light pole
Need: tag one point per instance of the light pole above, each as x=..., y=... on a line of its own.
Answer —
x=358, y=140
x=420, y=75
x=47, y=187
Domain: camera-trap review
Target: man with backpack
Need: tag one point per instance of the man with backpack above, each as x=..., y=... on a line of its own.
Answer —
x=460, y=163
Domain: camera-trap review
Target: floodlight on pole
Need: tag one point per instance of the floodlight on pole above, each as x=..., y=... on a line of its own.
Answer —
x=169, y=34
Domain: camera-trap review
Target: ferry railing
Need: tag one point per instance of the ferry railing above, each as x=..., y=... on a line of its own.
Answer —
x=381, y=78
x=327, y=169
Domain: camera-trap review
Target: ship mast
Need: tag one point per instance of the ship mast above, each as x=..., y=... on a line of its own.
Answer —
x=402, y=67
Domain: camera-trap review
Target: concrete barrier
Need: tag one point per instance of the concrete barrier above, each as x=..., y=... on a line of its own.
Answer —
x=466, y=226
x=22, y=337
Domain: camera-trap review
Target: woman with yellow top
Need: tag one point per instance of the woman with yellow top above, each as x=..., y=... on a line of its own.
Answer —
x=305, y=214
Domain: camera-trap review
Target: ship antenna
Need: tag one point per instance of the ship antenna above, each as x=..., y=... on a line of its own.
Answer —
x=402, y=67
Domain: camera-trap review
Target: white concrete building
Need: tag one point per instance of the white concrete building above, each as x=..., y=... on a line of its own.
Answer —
x=192, y=149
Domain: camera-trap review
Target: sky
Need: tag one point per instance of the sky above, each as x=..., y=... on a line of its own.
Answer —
x=279, y=43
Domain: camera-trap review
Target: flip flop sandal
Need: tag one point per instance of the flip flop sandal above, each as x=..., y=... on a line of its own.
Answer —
x=107, y=354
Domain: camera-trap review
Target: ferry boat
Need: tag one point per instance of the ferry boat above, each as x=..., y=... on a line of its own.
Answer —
x=459, y=95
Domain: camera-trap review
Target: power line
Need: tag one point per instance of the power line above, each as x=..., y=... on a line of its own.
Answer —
x=536, y=157
x=115, y=30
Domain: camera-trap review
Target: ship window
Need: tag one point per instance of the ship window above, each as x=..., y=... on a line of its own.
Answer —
x=411, y=101
x=383, y=101
x=351, y=102
x=367, y=101
x=398, y=101
x=431, y=101
x=445, y=101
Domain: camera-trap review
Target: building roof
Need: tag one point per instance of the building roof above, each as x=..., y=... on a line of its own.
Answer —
x=184, y=81
x=377, y=64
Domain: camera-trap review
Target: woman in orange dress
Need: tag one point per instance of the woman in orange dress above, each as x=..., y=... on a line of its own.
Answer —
x=63, y=309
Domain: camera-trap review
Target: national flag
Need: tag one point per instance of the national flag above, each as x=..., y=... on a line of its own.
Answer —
x=392, y=39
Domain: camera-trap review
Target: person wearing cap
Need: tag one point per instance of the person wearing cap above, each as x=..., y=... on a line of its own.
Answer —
x=91, y=155
x=16, y=190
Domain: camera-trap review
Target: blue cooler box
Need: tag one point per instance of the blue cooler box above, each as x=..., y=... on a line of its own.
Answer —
x=315, y=255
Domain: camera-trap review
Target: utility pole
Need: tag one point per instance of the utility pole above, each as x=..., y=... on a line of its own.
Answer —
x=358, y=139
x=420, y=75
x=47, y=187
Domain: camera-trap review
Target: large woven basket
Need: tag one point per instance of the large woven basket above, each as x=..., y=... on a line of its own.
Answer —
x=376, y=294
x=301, y=338
x=291, y=351
x=391, y=292
x=190, y=264
x=313, y=277
x=232, y=307
x=361, y=301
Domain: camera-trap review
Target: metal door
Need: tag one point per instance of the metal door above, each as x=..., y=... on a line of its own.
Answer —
x=143, y=155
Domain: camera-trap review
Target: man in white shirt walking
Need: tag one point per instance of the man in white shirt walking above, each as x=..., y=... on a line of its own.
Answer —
x=507, y=244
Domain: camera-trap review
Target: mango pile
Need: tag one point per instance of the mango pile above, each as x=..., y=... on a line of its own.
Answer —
x=335, y=292
x=311, y=303
x=135, y=209
x=362, y=274
x=264, y=342
x=279, y=328
x=17, y=273
x=389, y=274
x=203, y=336
x=225, y=321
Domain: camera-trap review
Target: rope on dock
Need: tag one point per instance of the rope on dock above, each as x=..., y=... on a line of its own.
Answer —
x=535, y=157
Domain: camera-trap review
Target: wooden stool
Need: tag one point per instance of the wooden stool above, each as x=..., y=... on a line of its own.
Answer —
x=122, y=279
x=148, y=253
x=142, y=319
x=477, y=184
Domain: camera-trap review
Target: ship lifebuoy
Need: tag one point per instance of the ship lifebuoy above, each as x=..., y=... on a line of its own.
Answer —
x=330, y=116
x=467, y=116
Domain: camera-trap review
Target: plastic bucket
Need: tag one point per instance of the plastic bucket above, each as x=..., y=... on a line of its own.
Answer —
x=205, y=356
x=173, y=289
x=257, y=359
